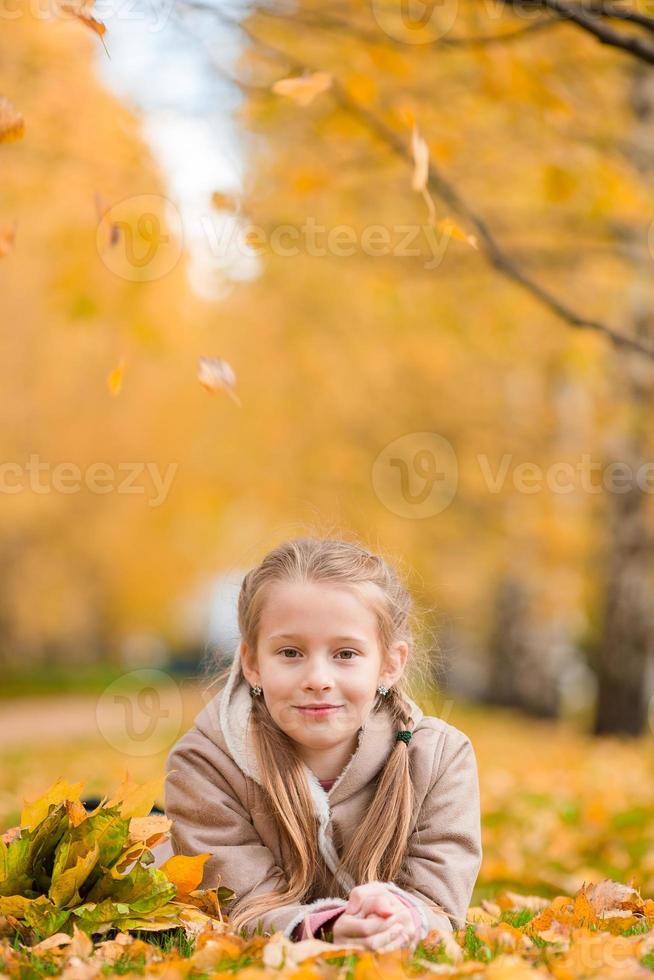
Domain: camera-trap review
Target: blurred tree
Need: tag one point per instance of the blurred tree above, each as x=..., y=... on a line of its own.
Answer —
x=516, y=120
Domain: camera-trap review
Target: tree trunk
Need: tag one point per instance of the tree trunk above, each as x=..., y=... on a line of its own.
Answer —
x=627, y=624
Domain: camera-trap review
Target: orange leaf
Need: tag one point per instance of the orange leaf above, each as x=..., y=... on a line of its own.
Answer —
x=12, y=124
x=450, y=228
x=7, y=239
x=76, y=812
x=185, y=872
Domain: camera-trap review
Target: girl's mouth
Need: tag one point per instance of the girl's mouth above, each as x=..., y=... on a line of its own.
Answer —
x=318, y=712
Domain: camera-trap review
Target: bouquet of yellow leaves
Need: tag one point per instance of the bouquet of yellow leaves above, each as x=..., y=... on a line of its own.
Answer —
x=64, y=866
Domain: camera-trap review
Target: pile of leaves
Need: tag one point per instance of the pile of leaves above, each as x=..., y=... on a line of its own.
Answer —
x=80, y=899
x=64, y=868
x=602, y=932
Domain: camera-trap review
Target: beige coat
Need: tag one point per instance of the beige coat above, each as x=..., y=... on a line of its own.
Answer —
x=216, y=802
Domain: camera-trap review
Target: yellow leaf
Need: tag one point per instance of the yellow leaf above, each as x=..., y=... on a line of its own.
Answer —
x=362, y=87
x=149, y=829
x=115, y=379
x=448, y=227
x=136, y=799
x=303, y=89
x=477, y=914
x=185, y=872
x=36, y=810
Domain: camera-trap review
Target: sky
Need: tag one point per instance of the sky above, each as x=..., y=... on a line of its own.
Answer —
x=171, y=66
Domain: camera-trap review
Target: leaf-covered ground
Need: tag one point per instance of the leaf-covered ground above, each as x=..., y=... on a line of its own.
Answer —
x=565, y=888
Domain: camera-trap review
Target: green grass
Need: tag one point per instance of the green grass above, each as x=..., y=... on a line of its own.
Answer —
x=59, y=680
x=168, y=940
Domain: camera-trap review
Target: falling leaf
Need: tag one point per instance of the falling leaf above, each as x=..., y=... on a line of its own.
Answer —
x=102, y=208
x=7, y=239
x=115, y=379
x=303, y=89
x=185, y=872
x=420, y=177
x=224, y=201
x=12, y=124
x=215, y=373
x=448, y=227
x=80, y=9
x=420, y=153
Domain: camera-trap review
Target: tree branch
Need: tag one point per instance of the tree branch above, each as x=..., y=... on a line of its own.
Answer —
x=497, y=257
x=634, y=45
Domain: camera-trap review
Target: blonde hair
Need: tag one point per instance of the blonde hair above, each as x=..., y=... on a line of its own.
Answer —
x=376, y=849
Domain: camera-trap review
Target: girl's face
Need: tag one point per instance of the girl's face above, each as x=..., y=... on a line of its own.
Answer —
x=318, y=644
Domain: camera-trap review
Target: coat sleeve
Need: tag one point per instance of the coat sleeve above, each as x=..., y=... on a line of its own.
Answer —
x=208, y=817
x=444, y=853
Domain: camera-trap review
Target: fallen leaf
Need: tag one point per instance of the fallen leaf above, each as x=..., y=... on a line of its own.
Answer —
x=149, y=829
x=136, y=799
x=280, y=951
x=53, y=942
x=76, y=812
x=36, y=810
x=185, y=872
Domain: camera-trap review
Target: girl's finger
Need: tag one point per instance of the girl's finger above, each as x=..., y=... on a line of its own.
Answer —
x=367, y=927
x=382, y=907
x=388, y=939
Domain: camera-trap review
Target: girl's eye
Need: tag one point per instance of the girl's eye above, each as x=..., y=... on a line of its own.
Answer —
x=292, y=650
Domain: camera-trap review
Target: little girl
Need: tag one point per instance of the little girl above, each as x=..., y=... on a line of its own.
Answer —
x=329, y=804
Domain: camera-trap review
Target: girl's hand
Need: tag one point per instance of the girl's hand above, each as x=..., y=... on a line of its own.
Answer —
x=375, y=917
x=372, y=932
x=374, y=898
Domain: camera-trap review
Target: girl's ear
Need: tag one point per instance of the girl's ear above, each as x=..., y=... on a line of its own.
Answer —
x=395, y=662
x=248, y=664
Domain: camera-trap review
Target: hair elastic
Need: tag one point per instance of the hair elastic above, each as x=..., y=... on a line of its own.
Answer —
x=403, y=737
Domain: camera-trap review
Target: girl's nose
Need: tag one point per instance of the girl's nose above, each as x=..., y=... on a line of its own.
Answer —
x=317, y=678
